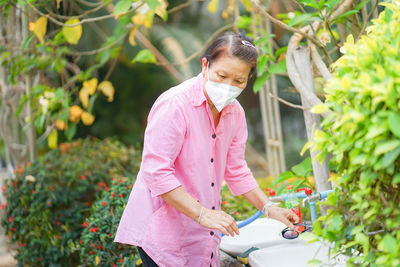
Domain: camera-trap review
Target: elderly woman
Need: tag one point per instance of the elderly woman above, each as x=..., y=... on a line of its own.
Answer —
x=195, y=138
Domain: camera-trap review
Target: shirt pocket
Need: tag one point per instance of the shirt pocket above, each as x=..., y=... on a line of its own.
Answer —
x=166, y=229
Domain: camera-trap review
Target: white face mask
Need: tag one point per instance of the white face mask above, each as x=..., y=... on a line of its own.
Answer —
x=221, y=94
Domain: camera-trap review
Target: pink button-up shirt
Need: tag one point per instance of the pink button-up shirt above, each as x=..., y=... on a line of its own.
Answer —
x=183, y=148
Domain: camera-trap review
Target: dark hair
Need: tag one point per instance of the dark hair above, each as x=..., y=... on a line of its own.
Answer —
x=233, y=44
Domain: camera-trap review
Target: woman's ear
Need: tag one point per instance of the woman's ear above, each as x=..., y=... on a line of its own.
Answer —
x=204, y=66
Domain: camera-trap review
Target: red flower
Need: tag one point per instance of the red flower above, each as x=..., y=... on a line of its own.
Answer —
x=104, y=203
x=2, y=206
x=94, y=230
x=80, y=241
x=115, y=183
x=235, y=212
x=87, y=203
x=12, y=229
x=20, y=244
x=120, y=180
x=101, y=184
x=38, y=258
x=48, y=203
x=20, y=169
x=33, y=191
x=15, y=171
x=111, y=212
x=99, y=246
x=112, y=194
x=127, y=187
x=58, y=236
x=91, y=252
x=121, y=195
x=51, y=188
x=11, y=219
x=114, y=178
x=106, y=188
x=85, y=224
x=131, y=185
x=28, y=164
x=223, y=202
x=92, y=245
x=2, y=188
x=58, y=223
x=83, y=177
x=115, y=265
x=109, y=234
x=68, y=229
x=121, y=260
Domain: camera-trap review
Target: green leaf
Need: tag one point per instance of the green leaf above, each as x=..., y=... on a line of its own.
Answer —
x=387, y=146
x=300, y=19
x=390, y=157
x=304, y=168
x=260, y=81
x=314, y=262
x=396, y=179
x=311, y=3
x=153, y=4
x=263, y=61
x=394, y=123
x=388, y=244
x=70, y=131
x=244, y=22
x=121, y=7
x=283, y=177
x=144, y=56
x=279, y=67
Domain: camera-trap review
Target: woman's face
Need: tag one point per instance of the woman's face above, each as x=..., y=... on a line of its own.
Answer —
x=228, y=70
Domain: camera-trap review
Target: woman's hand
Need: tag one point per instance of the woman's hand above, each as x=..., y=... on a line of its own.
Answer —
x=286, y=216
x=218, y=219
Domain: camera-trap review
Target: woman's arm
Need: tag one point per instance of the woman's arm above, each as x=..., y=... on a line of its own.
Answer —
x=180, y=199
x=259, y=199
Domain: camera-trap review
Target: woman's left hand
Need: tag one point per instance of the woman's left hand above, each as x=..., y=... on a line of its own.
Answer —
x=286, y=216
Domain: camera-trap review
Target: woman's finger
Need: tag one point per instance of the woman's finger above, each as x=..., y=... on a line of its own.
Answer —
x=228, y=227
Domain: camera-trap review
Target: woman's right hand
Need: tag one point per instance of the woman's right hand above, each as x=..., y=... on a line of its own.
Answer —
x=218, y=219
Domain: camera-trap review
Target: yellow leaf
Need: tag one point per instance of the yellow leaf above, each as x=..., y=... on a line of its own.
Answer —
x=61, y=125
x=97, y=260
x=52, y=139
x=138, y=262
x=72, y=34
x=318, y=109
x=39, y=28
x=84, y=96
x=108, y=90
x=132, y=35
x=87, y=118
x=305, y=147
x=144, y=16
x=75, y=113
x=213, y=6
x=161, y=10
x=91, y=85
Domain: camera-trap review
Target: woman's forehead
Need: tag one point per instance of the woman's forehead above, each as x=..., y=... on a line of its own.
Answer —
x=232, y=66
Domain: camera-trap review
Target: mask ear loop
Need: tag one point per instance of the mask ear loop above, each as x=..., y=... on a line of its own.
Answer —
x=208, y=71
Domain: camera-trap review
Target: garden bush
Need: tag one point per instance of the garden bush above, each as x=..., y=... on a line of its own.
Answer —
x=363, y=137
x=49, y=199
x=96, y=246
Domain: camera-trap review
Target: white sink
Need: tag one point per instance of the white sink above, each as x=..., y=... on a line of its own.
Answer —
x=261, y=233
x=287, y=255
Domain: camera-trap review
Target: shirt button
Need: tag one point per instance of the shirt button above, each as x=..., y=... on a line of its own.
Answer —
x=212, y=184
x=212, y=254
x=211, y=233
x=214, y=136
x=212, y=159
x=213, y=208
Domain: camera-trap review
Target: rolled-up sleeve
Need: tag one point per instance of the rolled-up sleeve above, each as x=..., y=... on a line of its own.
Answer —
x=238, y=176
x=163, y=139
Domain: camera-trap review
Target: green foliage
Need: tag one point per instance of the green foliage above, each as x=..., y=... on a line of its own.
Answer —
x=362, y=134
x=48, y=201
x=96, y=246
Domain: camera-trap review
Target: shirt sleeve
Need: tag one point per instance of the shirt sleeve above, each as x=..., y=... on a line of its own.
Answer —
x=163, y=139
x=238, y=176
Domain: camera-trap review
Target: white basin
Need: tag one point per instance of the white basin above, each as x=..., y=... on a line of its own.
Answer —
x=261, y=233
x=296, y=255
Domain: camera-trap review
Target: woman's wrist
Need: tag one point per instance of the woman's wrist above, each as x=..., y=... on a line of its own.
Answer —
x=266, y=208
x=201, y=213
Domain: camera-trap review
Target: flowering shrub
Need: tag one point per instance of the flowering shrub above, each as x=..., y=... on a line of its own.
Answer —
x=96, y=246
x=49, y=199
x=363, y=136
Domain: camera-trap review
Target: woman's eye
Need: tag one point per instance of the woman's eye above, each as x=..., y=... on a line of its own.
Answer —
x=222, y=76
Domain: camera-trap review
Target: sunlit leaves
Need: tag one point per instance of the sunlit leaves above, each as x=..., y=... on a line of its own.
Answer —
x=72, y=33
x=144, y=56
x=213, y=6
x=121, y=7
x=39, y=28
